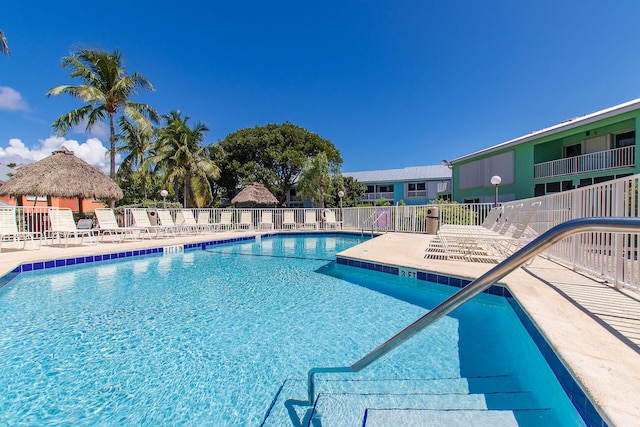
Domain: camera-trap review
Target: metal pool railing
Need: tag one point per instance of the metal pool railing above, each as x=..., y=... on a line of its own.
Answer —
x=537, y=246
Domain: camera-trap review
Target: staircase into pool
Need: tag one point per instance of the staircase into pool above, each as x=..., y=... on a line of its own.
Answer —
x=479, y=401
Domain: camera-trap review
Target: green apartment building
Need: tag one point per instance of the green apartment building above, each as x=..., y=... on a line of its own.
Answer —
x=575, y=153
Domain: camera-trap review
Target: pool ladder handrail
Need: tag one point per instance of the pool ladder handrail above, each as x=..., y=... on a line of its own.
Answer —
x=373, y=223
x=519, y=258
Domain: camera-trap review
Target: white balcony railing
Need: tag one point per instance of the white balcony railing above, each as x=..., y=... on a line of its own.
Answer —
x=417, y=194
x=376, y=196
x=602, y=160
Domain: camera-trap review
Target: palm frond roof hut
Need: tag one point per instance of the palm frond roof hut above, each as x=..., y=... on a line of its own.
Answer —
x=256, y=194
x=61, y=175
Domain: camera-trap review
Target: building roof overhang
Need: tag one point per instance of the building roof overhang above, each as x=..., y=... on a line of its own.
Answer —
x=563, y=126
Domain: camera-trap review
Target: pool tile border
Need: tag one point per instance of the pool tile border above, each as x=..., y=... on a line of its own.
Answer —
x=63, y=262
x=576, y=394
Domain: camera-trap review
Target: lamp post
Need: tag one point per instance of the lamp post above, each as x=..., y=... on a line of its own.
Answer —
x=340, y=195
x=495, y=180
x=164, y=193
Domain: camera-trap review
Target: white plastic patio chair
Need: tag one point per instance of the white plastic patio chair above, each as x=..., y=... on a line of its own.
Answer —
x=62, y=225
x=108, y=224
x=9, y=230
x=266, y=220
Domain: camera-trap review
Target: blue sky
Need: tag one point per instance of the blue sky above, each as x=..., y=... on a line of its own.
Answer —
x=391, y=83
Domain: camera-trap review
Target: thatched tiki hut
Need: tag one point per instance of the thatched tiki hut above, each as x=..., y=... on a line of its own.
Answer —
x=61, y=175
x=255, y=194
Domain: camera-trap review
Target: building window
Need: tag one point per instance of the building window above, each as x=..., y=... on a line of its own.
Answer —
x=538, y=190
x=567, y=185
x=573, y=150
x=626, y=139
x=417, y=190
x=599, y=179
x=553, y=187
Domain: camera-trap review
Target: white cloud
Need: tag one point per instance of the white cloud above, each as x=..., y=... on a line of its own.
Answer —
x=99, y=129
x=11, y=99
x=91, y=151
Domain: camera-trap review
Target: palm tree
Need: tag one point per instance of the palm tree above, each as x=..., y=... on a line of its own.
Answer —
x=137, y=144
x=4, y=47
x=313, y=178
x=180, y=153
x=106, y=89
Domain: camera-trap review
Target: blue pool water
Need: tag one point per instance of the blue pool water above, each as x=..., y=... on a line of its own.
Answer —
x=208, y=337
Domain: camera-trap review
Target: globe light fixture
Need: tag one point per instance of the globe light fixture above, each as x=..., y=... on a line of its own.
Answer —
x=164, y=194
x=495, y=181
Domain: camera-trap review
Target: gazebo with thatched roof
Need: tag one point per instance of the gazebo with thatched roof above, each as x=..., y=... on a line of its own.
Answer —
x=255, y=194
x=61, y=175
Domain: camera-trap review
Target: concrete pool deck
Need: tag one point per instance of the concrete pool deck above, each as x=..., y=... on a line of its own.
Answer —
x=594, y=328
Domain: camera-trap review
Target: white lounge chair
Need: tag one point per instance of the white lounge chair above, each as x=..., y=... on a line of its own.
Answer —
x=246, y=220
x=141, y=220
x=226, y=221
x=185, y=221
x=473, y=244
x=9, y=230
x=289, y=220
x=266, y=220
x=203, y=221
x=310, y=219
x=165, y=220
x=107, y=224
x=330, y=220
x=62, y=225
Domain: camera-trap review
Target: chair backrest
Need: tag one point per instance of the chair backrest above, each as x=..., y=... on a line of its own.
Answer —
x=330, y=217
x=289, y=218
x=510, y=217
x=8, y=223
x=106, y=218
x=246, y=217
x=523, y=223
x=267, y=217
x=491, y=218
x=187, y=216
x=62, y=220
x=310, y=217
x=203, y=218
x=140, y=218
x=164, y=216
x=226, y=217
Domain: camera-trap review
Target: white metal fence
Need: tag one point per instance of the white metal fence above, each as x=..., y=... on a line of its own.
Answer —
x=611, y=256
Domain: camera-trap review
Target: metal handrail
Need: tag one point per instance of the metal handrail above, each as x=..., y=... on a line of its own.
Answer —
x=535, y=247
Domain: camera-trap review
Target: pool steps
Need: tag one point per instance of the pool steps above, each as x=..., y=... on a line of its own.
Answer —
x=496, y=401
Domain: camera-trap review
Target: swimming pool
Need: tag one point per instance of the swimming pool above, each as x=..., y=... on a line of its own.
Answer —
x=208, y=337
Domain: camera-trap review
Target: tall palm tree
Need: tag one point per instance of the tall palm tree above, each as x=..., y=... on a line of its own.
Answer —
x=180, y=153
x=137, y=144
x=4, y=47
x=314, y=178
x=106, y=89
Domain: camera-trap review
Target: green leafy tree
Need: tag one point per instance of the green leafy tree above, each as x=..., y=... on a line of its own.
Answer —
x=273, y=155
x=353, y=191
x=106, y=89
x=4, y=47
x=138, y=142
x=181, y=155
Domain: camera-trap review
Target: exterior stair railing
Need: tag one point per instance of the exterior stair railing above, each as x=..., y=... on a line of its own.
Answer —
x=519, y=258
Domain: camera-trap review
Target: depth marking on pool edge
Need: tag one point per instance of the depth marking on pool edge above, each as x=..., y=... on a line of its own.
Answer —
x=408, y=273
